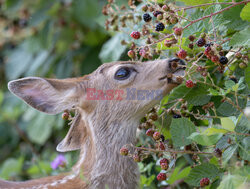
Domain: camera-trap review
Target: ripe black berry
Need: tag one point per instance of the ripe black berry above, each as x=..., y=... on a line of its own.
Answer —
x=200, y=42
x=176, y=116
x=147, y=17
x=217, y=152
x=156, y=13
x=223, y=60
x=233, y=79
x=159, y=27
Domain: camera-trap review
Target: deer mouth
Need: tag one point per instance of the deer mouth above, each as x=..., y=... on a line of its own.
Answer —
x=176, y=69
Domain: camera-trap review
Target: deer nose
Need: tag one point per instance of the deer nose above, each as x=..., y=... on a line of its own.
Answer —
x=176, y=63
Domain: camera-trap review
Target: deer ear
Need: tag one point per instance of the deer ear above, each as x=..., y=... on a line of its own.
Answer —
x=75, y=137
x=51, y=96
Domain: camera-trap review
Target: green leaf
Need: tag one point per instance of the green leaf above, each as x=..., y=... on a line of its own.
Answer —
x=195, y=2
x=39, y=168
x=146, y=181
x=227, y=123
x=247, y=78
x=201, y=171
x=245, y=149
x=39, y=130
x=196, y=96
x=214, y=92
x=245, y=13
x=212, y=131
x=241, y=38
x=226, y=109
x=233, y=181
x=177, y=174
x=205, y=140
x=228, y=153
x=11, y=167
x=112, y=49
x=17, y=63
x=229, y=84
x=86, y=12
x=180, y=129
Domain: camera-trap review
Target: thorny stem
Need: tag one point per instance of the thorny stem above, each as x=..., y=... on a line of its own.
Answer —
x=215, y=13
x=207, y=4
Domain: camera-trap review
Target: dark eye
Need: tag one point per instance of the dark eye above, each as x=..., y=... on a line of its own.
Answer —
x=122, y=73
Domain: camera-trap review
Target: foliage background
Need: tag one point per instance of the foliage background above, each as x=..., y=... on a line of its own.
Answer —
x=68, y=38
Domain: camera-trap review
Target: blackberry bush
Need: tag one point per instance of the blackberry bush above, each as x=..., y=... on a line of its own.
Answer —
x=205, y=35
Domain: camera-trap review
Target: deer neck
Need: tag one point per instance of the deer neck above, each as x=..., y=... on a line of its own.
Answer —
x=102, y=150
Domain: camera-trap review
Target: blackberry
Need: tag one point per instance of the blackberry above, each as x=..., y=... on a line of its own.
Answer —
x=147, y=17
x=223, y=60
x=200, y=42
x=162, y=138
x=159, y=27
x=176, y=116
x=156, y=13
x=233, y=79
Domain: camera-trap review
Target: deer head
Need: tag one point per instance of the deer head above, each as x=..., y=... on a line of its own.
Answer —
x=109, y=102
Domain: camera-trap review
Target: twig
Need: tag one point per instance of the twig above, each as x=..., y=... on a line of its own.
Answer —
x=171, y=151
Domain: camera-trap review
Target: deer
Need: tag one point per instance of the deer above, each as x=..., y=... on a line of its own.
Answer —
x=101, y=126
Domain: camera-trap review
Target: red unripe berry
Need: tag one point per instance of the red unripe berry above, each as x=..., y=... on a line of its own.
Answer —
x=165, y=8
x=136, y=158
x=189, y=84
x=161, y=176
x=161, y=146
x=238, y=55
x=182, y=54
x=135, y=35
x=65, y=115
x=131, y=54
x=164, y=160
x=215, y=58
x=157, y=135
x=204, y=182
x=164, y=166
x=150, y=132
x=124, y=151
x=178, y=31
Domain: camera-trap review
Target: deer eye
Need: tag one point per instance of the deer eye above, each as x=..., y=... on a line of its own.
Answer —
x=122, y=73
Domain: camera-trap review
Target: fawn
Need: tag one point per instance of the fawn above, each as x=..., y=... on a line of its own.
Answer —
x=103, y=123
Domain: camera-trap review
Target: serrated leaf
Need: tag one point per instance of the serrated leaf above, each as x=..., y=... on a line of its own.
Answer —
x=180, y=129
x=233, y=181
x=228, y=153
x=201, y=171
x=205, y=140
x=212, y=131
x=245, y=149
x=226, y=109
x=229, y=84
x=241, y=38
x=227, y=123
x=247, y=78
x=245, y=13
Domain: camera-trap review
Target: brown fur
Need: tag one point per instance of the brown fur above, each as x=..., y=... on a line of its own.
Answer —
x=100, y=127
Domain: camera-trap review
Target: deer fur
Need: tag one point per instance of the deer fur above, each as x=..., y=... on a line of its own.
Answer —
x=100, y=127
